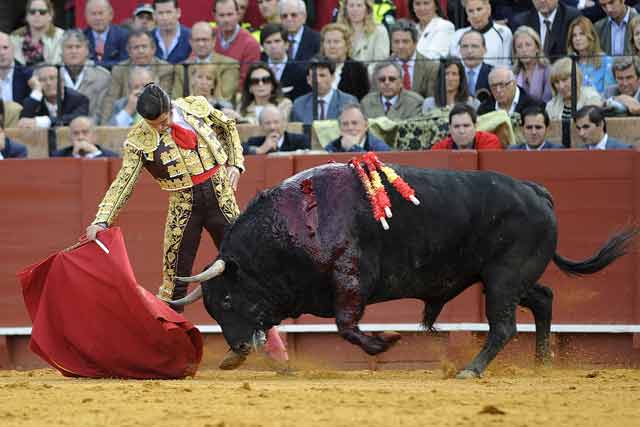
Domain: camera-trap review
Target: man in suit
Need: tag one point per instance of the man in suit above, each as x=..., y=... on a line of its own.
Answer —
x=107, y=42
x=276, y=138
x=550, y=20
x=83, y=141
x=227, y=70
x=304, y=42
x=472, y=51
x=354, y=133
x=592, y=130
x=291, y=76
x=624, y=97
x=14, y=77
x=82, y=74
x=172, y=38
x=391, y=99
x=418, y=73
x=142, y=49
x=506, y=95
x=329, y=101
x=41, y=108
x=614, y=30
x=535, y=123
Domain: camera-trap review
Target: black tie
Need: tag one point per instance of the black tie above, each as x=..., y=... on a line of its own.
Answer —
x=547, y=37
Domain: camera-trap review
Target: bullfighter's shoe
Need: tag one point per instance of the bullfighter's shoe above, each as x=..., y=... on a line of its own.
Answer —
x=232, y=360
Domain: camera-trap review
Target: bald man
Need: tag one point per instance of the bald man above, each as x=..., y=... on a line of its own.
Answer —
x=107, y=42
x=14, y=78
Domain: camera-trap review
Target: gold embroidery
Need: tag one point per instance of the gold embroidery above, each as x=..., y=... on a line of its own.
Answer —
x=178, y=215
x=196, y=105
x=169, y=156
x=121, y=187
x=225, y=195
x=144, y=138
x=179, y=183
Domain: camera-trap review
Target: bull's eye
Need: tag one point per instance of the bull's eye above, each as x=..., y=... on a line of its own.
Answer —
x=226, y=303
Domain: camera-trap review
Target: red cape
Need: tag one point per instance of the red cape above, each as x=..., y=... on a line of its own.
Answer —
x=92, y=319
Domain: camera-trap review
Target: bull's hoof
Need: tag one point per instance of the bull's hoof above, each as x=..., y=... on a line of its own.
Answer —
x=390, y=337
x=232, y=360
x=467, y=374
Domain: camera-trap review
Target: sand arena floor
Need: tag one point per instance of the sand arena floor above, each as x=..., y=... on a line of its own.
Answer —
x=316, y=397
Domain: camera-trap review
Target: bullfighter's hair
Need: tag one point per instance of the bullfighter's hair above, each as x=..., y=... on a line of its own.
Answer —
x=153, y=102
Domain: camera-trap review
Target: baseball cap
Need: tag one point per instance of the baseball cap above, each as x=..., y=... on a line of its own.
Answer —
x=143, y=8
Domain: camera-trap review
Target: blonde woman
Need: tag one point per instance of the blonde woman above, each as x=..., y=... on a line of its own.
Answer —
x=583, y=41
x=369, y=42
x=530, y=66
x=560, y=105
x=634, y=31
x=335, y=44
x=39, y=40
x=202, y=82
x=435, y=33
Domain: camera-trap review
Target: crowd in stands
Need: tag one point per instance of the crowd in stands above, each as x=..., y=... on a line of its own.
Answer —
x=535, y=60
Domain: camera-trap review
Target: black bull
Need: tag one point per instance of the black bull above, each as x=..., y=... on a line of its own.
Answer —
x=311, y=245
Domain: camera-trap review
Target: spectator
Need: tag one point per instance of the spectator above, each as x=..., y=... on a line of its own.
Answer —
x=233, y=41
x=9, y=149
x=39, y=40
x=550, y=20
x=624, y=97
x=369, y=41
x=354, y=133
x=535, y=123
x=124, y=113
x=530, y=65
x=141, y=49
x=560, y=105
x=592, y=130
x=472, y=51
x=14, y=77
x=497, y=36
x=226, y=70
x=463, y=134
x=456, y=89
x=391, y=99
x=202, y=82
x=82, y=74
x=594, y=64
x=634, y=35
x=260, y=88
x=41, y=107
x=435, y=32
x=144, y=18
x=107, y=42
x=351, y=75
x=329, y=102
x=273, y=124
x=269, y=11
x=274, y=41
x=172, y=38
x=83, y=141
x=614, y=29
x=11, y=113
x=304, y=43
x=505, y=93
x=418, y=73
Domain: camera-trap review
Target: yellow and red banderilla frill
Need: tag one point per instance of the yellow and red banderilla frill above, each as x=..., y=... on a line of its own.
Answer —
x=376, y=193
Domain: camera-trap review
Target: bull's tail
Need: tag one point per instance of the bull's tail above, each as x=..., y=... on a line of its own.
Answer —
x=193, y=296
x=614, y=248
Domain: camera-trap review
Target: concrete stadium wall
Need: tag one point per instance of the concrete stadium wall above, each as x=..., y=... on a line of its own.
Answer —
x=48, y=203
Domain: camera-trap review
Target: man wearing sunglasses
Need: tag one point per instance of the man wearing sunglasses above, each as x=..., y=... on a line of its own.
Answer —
x=391, y=99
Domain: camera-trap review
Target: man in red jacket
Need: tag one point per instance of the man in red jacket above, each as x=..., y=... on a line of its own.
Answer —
x=463, y=134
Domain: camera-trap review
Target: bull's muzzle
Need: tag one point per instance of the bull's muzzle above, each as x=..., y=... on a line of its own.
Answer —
x=216, y=269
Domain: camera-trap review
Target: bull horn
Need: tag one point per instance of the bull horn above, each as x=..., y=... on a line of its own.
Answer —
x=195, y=295
x=215, y=270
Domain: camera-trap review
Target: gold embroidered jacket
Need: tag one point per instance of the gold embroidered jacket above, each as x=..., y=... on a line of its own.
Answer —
x=170, y=165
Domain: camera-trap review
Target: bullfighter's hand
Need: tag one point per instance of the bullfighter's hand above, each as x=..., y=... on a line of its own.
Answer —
x=93, y=230
x=233, y=173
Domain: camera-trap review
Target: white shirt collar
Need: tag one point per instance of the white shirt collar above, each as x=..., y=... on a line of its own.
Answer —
x=391, y=100
x=602, y=145
x=69, y=82
x=327, y=100
x=551, y=17
x=166, y=50
x=516, y=98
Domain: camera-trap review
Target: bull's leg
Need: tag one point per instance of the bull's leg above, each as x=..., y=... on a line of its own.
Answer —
x=501, y=301
x=539, y=299
x=349, y=309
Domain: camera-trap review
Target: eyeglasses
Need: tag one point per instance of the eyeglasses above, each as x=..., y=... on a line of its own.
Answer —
x=258, y=80
x=500, y=85
x=42, y=12
x=389, y=79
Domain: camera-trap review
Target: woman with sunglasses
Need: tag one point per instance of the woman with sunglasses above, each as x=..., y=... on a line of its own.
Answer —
x=39, y=40
x=260, y=88
x=202, y=82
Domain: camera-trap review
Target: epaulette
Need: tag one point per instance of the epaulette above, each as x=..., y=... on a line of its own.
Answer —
x=143, y=137
x=194, y=105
